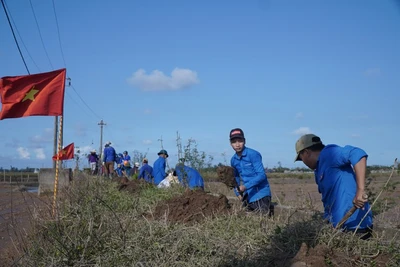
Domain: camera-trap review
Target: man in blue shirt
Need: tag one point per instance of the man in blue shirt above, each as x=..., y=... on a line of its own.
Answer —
x=146, y=171
x=159, y=167
x=109, y=157
x=253, y=186
x=126, y=164
x=340, y=176
x=189, y=177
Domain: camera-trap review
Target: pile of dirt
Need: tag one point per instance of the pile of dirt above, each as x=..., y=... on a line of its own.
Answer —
x=132, y=186
x=192, y=206
x=321, y=255
x=226, y=175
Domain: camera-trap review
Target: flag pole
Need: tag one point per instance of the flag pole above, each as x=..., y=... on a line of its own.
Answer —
x=55, y=144
x=57, y=167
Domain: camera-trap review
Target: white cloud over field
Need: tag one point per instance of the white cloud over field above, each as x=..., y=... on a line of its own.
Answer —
x=23, y=153
x=158, y=81
x=39, y=153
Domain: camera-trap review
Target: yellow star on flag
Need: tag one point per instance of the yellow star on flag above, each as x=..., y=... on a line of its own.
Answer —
x=30, y=95
x=63, y=152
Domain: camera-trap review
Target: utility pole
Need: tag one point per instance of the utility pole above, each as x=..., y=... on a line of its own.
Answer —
x=179, y=145
x=101, y=123
x=161, y=141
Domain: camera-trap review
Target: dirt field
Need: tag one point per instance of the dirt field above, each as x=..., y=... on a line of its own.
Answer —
x=16, y=207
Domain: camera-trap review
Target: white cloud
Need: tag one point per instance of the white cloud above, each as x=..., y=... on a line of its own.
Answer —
x=158, y=81
x=302, y=130
x=23, y=153
x=372, y=72
x=299, y=115
x=40, y=139
x=147, y=142
x=40, y=153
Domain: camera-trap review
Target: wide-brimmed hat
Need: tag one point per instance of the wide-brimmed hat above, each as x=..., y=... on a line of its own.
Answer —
x=163, y=151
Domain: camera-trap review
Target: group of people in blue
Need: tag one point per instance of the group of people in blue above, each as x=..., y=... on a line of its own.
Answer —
x=339, y=173
x=187, y=176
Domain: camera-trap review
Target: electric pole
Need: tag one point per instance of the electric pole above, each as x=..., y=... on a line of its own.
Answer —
x=101, y=123
x=179, y=145
x=161, y=140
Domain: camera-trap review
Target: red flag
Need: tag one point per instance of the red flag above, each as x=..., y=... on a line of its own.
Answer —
x=33, y=95
x=66, y=153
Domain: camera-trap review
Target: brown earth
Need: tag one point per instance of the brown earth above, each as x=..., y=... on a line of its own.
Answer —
x=321, y=255
x=132, y=186
x=17, y=207
x=226, y=174
x=191, y=206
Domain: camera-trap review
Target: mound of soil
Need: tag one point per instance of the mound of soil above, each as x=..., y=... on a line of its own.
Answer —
x=134, y=186
x=321, y=255
x=192, y=206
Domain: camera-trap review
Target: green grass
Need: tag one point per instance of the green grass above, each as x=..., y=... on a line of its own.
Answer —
x=98, y=225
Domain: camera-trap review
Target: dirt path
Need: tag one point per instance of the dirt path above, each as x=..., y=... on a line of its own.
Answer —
x=16, y=210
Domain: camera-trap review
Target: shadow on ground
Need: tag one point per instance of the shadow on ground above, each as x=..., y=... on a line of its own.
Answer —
x=282, y=246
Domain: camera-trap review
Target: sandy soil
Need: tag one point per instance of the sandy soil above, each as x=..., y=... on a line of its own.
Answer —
x=16, y=210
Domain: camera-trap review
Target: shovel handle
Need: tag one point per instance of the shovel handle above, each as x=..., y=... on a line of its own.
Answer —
x=346, y=217
x=348, y=214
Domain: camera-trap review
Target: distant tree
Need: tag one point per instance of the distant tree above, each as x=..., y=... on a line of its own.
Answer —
x=195, y=158
x=138, y=156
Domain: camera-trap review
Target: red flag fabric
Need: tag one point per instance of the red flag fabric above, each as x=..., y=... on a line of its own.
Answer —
x=65, y=153
x=33, y=95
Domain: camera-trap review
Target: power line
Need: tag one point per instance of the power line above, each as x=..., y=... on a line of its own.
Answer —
x=58, y=32
x=79, y=105
x=85, y=103
x=20, y=37
x=15, y=39
x=40, y=34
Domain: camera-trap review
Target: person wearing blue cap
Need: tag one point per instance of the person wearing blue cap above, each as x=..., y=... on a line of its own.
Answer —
x=159, y=167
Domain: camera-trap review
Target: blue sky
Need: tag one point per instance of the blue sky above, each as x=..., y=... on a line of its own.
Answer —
x=276, y=69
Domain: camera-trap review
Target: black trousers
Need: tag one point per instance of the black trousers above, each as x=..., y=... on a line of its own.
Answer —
x=263, y=205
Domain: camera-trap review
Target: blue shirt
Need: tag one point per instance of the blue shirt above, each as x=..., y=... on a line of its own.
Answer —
x=337, y=184
x=159, y=170
x=109, y=154
x=188, y=176
x=250, y=170
x=146, y=173
x=128, y=159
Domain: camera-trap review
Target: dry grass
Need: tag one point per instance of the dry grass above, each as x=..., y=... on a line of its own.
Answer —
x=98, y=225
